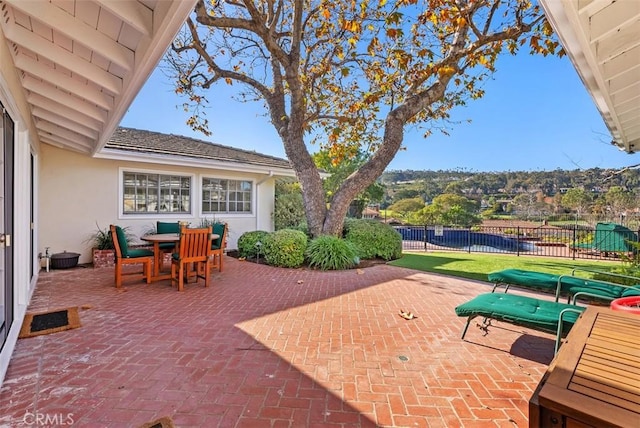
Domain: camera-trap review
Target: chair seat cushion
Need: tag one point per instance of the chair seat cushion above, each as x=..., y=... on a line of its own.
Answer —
x=218, y=229
x=132, y=254
x=167, y=227
x=632, y=291
x=215, y=247
x=166, y=245
x=520, y=310
x=175, y=256
x=549, y=282
x=529, y=279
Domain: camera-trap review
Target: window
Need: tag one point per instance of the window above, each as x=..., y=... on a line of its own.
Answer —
x=156, y=193
x=226, y=196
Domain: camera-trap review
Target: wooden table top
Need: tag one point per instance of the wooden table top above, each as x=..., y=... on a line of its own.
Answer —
x=168, y=237
x=595, y=377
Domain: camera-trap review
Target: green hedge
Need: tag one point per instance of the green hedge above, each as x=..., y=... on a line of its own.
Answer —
x=247, y=243
x=285, y=248
x=373, y=239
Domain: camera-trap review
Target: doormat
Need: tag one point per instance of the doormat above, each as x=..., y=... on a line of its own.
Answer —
x=36, y=324
x=164, y=422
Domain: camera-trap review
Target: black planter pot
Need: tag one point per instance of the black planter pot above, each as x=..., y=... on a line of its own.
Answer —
x=64, y=260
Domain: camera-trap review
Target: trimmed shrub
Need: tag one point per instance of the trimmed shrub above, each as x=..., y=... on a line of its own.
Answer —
x=288, y=211
x=332, y=253
x=247, y=243
x=285, y=248
x=373, y=239
x=629, y=271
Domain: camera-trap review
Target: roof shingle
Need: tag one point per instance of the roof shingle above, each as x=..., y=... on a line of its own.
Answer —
x=141, y=141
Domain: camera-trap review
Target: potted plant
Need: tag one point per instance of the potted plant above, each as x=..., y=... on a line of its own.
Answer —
x=102, y=247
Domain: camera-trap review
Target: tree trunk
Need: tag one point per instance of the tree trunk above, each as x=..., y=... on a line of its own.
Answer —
x=363, y=177
x=309, y=177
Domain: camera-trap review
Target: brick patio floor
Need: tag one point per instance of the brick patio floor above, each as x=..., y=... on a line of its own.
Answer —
x=269, y=347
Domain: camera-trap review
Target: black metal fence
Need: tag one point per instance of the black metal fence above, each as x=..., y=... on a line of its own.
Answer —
x=604, y=241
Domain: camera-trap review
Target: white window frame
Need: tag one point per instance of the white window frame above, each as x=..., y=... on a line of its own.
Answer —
x=238, y=214
x=146, y=215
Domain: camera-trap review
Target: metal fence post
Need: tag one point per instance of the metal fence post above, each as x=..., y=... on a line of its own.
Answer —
x=469, y=240
x=518, y=241
x=425, y=237
x=574, y=242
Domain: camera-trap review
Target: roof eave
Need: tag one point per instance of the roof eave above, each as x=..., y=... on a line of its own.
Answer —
x=124, y=155
x=176, y=15
x=575, y=35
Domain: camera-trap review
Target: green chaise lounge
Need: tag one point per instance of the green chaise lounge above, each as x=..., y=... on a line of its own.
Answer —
x=541, y=315
x=568, y=285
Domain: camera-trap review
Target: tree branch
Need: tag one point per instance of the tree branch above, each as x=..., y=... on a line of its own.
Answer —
x=621, y=171
x=218, y=72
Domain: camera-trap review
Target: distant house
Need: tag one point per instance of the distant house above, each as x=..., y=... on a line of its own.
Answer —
x=504, y=203
x=371, y=213
x=141, y=177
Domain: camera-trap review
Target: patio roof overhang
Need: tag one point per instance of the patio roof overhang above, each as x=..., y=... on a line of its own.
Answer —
x=602, y=39
x=82, y=62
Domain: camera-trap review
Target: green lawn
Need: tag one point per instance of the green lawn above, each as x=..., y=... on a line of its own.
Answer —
x=478, y=265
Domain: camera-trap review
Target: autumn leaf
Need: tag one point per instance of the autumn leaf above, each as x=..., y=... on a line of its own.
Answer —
x=446, y=71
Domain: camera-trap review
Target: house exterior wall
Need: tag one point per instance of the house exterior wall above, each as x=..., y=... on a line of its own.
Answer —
x=24, y=261
x=78, y=192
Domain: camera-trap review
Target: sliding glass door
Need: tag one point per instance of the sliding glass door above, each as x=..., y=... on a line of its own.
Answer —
x=6, y=224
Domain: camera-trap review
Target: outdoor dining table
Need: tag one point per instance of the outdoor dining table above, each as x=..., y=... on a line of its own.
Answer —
x=157, y=239
x=594, y=379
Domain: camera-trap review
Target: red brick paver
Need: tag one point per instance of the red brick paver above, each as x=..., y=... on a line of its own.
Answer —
x=269, y=347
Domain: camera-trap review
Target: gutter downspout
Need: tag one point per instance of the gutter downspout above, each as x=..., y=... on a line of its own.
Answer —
x=268, y=176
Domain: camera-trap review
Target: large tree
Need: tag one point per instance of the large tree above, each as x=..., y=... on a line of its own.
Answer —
x=349, y=75
x=451, y=210
x=577, y=199
x=339, y=171
x=619, y=201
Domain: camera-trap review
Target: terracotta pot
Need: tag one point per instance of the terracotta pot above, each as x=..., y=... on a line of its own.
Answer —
x=103, y=258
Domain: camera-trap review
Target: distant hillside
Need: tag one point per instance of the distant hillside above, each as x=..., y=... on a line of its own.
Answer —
x=428, y=184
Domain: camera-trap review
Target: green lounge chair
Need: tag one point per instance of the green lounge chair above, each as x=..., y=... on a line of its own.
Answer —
x=568, y=285
x=541, y=315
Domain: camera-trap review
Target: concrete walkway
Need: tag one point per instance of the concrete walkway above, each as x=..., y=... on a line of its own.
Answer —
x=269, y=347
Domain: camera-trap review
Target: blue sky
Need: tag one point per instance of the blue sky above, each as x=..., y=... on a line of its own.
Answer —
x=535, y=116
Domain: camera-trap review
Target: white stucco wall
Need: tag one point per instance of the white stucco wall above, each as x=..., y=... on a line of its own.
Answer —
x=12, y=98
x=77, y=191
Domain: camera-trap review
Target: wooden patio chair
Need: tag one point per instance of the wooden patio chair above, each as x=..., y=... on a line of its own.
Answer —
x=218, y=245
x=126, y=256
x=193, y=248
x=166, y=247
